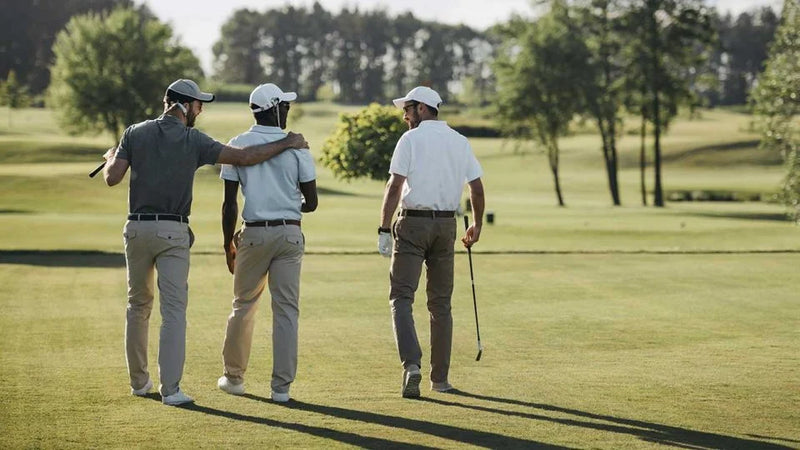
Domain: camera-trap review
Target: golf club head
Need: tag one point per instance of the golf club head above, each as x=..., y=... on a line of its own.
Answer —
x=480, y=352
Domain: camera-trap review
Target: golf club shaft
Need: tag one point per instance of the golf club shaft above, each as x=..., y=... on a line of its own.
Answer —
x=472, y=280
x=97, y=169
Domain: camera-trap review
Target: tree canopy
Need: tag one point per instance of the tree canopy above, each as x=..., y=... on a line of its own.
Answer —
x=111, y=70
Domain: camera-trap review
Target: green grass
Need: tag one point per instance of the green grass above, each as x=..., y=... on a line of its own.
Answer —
x=604, y=327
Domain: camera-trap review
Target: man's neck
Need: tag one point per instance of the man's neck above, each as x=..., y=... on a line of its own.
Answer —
x=175, y=111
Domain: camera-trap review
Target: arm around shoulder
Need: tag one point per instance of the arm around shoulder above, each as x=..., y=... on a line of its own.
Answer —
x=255, y=154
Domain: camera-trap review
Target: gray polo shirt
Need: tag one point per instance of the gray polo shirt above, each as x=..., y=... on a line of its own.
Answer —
x=163, y=155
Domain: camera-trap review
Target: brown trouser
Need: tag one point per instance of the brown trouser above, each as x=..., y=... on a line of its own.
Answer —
x=418, y=239
x=163, y=246
x=261, y=251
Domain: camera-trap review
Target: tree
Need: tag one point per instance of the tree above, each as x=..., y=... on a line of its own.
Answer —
x=777, y=102
x=13, y=94
x=111, y=70
x=538, y=73
x=674, y=38
x=237, y=54
x=28, y=29
x=363, y=143
x=601, y=28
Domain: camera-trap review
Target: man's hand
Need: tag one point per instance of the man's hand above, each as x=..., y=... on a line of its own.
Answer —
x=230, y=256
x=296, y=140
x=472, y=235
x=385, y=243
x=110, y=153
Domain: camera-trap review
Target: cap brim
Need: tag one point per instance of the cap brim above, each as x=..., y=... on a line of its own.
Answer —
x=289, y=96
x=400, y=102
x=206, y=97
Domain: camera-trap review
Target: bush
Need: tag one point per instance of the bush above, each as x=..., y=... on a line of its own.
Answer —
x=363, y=143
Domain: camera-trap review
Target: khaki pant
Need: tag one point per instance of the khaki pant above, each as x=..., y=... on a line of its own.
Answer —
x=277, y=253
x=162, y=246
x=418, y=240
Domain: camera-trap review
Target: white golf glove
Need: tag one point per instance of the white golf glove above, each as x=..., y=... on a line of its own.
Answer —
x=385, y=243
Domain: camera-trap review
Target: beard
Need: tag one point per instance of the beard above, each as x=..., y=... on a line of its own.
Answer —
x=190, y=119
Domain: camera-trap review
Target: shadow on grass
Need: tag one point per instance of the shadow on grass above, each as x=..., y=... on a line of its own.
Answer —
x=647, y=431
x=15, y=211
x=328, y=191
x=63, y=258
x=327, y=433
x=464, y=435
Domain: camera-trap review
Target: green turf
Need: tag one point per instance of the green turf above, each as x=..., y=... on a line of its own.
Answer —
x=604, y=327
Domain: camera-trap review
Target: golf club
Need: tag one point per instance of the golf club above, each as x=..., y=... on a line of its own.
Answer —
x=97, y=169
x=474, y=300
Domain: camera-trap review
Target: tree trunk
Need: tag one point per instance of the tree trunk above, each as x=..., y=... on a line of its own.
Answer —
x=642, y=159
x=553, y=159
x=658, y=194
x=613, y=169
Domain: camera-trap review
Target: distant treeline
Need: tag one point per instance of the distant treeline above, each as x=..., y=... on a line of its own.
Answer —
x=355, y=56
x=360, y=56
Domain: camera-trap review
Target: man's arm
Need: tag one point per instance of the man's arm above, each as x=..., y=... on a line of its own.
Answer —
x=255, y=154
x=230, y=211
x=309, y=191
x=391, y=197
x=477, y=201
x=115, y=168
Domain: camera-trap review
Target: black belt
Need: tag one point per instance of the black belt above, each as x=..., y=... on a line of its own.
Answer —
x=157, y=217
x=426, y=213
x=273, y=223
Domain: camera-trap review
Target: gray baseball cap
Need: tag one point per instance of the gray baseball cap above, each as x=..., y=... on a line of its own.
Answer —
x=190, y=89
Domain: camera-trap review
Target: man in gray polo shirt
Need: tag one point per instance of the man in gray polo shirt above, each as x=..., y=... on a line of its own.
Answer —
x=163, y=155
x=271, y=243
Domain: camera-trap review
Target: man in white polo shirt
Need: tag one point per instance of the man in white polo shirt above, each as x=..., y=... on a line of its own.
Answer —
x=430, y=165
x=270, y=243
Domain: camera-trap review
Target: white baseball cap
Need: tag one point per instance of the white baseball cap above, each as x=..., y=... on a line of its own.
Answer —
x=420, y=94
x=268, y=95
x=190, y=89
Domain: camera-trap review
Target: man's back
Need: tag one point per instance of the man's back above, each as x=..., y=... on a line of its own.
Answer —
x=437, y=161
x=163, y=155
x=271, y=189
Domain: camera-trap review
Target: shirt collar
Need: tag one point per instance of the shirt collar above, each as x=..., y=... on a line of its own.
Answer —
x=432, y=123
x=264, y=129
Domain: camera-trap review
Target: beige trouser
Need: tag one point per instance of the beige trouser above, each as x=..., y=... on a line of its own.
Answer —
x=262, y=251
x=418, y=239
x=163, y=246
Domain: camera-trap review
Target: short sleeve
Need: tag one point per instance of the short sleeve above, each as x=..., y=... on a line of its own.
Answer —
x=228, y=171
x=474, y=169
x=306, y=171
x=401, y=158
x=208, y=149
x=124, y=147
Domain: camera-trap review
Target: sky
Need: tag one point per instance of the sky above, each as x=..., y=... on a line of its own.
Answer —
x=198, y=22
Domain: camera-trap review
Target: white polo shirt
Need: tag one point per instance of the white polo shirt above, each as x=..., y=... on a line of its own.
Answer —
x=437, y=161
x=271, y=189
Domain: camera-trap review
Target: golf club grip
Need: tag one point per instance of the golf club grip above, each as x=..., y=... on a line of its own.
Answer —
x=466, y=222
x=97, y=169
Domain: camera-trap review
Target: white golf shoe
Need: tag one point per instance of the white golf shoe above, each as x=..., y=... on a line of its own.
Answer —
x=144, y=390
x=280, y=397
x=228, y=386
x=411, y=379
x=178, y=398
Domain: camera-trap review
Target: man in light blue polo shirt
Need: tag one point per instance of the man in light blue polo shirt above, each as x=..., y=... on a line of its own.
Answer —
x=270, y=243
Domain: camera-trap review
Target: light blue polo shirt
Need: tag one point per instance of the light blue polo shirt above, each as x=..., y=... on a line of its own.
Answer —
x=271, y=189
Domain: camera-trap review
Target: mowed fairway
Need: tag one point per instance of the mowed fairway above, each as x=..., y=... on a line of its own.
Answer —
x=603, y=327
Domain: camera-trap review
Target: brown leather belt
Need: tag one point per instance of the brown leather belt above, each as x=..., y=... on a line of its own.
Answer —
x=273, y=223
x=426, y=213
x=157, y=217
